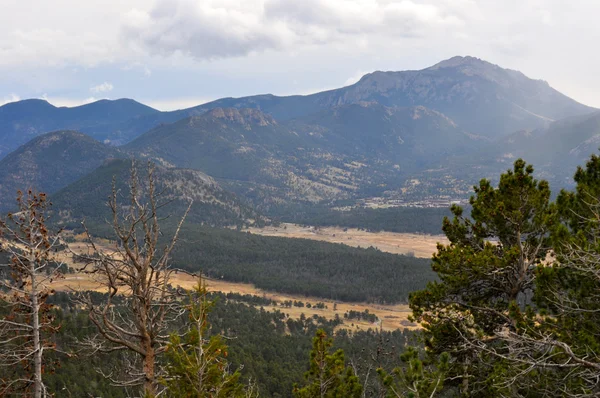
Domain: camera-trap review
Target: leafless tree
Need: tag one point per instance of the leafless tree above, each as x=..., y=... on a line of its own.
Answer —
x=136, y=270
x=24, y=284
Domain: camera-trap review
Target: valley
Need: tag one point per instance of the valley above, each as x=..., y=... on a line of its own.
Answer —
x=418, y=245
x=390, y=317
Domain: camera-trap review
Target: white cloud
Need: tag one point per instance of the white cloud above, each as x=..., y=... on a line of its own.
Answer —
x=102, y=88
x=212, y=29
x=10, y=98
x=205, y=29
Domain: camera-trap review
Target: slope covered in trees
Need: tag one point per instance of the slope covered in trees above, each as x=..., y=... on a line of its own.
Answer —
x=301, y=266
x=50, y=162
x=427, y=220
x=269, y=348
x=212, y=205
x=514, y=311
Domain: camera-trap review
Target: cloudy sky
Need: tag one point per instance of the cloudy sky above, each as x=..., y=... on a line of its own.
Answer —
x=178, y=53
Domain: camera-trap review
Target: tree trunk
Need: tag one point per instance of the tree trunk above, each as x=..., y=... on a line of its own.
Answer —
x=149, y=378
x=465, y=381
x=37, y=346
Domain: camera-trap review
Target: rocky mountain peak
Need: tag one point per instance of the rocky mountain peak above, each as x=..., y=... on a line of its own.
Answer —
x=458, y=61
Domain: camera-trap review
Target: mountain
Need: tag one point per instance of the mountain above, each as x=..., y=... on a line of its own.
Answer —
x=225, y=143
x=104, y=120
x=416, y=134
x=87, y=197
x=247, y=150
x=406, y=136
x=337, y=153
x=555, y=150
x=50, y=162
x=481, y=97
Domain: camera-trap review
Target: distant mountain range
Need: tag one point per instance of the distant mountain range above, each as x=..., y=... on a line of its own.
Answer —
x=402, y=135
x=21, y=121
x=482, y=98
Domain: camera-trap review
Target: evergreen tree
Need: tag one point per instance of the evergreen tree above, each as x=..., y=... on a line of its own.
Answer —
x=559, y=345
x=328, y=376
x=486, y=273
x=415, y=379
x=197, y=364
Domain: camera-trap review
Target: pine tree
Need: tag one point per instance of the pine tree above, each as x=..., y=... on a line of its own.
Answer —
x=328, y=375
x=416, y=378
x=560, y=343
x=486, y=273
x=197, y=365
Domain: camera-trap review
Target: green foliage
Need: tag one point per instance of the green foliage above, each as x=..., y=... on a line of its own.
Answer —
x=197, y=364
x=328, y=375
x=416, y=378
x=269, y=349
x=301, y=266
x=486, y=273
x=393, y=219
x=297, y=266
x=567, y=291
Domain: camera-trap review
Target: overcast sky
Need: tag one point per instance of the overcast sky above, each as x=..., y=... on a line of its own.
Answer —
x=178, y=53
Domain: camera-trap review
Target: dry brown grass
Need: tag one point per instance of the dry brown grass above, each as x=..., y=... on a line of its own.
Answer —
x=392, y=316
x=398, y=243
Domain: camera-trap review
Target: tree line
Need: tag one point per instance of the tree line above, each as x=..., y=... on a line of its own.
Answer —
x=393, y=219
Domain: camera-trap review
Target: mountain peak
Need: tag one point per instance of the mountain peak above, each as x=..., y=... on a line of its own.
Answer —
x=31, y=104
x=462, y=61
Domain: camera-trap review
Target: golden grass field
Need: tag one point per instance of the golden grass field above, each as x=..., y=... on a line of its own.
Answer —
x=420, y=245
x=391, y=316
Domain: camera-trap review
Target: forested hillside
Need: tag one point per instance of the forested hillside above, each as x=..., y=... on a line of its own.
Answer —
x=50, y=162
x=211, y=205
x=270, y=348
x=426, y=220
x=126, y=208
x=302, y=266
x=509, y=309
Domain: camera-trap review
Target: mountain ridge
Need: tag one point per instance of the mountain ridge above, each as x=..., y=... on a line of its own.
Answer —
x=483, y=98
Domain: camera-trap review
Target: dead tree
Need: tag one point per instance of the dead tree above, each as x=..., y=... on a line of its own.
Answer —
x=137, y=271
x=25, y=285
